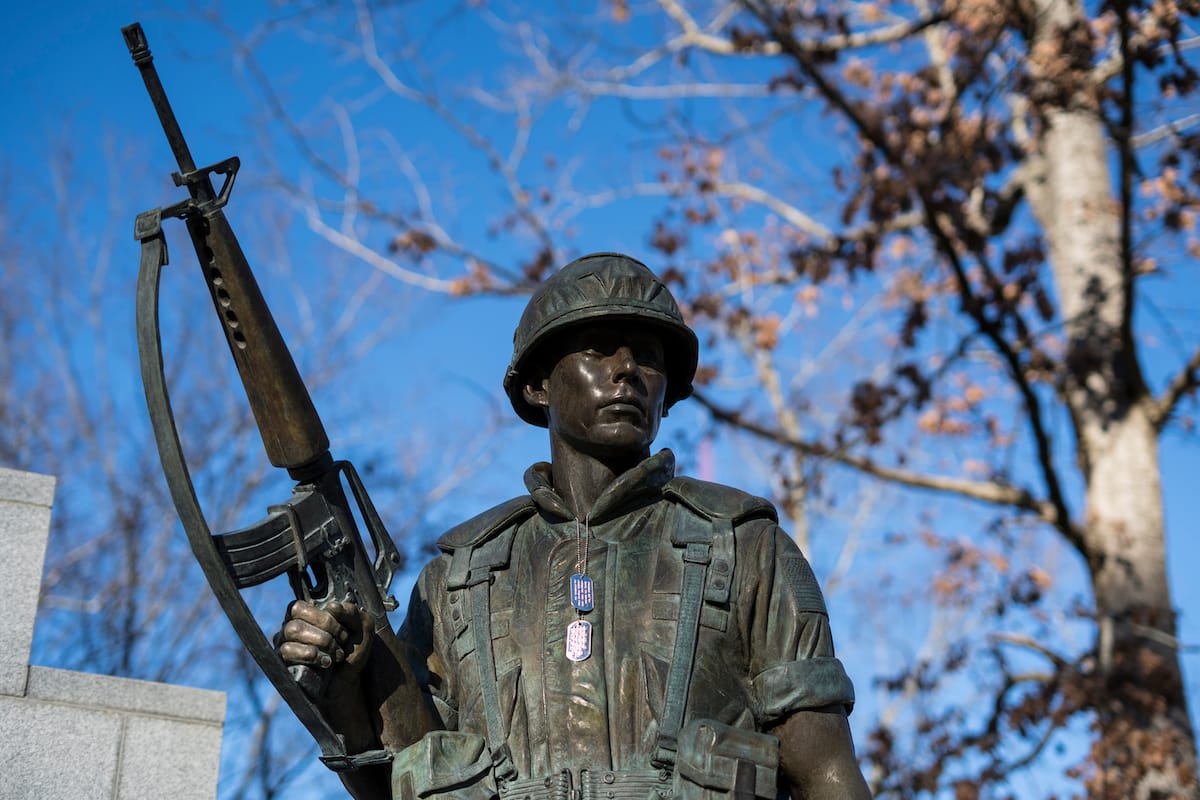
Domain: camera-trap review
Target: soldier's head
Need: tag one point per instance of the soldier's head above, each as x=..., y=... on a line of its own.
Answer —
x=616, y=309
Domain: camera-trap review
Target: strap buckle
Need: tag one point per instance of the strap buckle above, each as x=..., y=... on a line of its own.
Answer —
x=345, y=762
x=664, y=753
x=502, y=763
x=698, y=553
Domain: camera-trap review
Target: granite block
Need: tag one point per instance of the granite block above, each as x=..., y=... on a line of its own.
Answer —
x=168, y=758
x=126, y=695
x=76, y=736
x=53, y=751
x=26, y=487
x=24, y=525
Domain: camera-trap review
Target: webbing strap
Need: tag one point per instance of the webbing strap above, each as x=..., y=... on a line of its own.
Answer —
x=696, y=557
x=480, y=587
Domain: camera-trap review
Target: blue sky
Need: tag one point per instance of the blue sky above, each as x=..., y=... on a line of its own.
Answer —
x=67, y=79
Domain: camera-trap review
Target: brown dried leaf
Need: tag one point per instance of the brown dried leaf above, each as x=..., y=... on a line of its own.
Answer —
x=766, y=331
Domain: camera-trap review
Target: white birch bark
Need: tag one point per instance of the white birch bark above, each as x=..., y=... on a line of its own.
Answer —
x=1116, y=442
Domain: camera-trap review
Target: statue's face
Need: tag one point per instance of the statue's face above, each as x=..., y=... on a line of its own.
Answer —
x=604, y=394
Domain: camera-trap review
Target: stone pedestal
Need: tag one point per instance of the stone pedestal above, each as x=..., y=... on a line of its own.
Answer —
x=74, y=736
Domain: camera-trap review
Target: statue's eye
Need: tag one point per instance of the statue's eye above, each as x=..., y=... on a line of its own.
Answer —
x=650, y=360
x=649, y=354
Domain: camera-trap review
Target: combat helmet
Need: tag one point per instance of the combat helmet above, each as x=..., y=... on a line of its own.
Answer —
x=611, y=287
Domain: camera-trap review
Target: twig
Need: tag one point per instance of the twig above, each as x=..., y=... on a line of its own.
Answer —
x=1184, y=381
x=1028, y=642
x=1164, y=131
x=870, y=127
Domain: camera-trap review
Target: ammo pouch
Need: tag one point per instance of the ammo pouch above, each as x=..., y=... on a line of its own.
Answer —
x=443, y=765
x=717, y=761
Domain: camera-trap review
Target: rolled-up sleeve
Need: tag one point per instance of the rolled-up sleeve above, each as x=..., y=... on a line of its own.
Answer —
x=792, y=661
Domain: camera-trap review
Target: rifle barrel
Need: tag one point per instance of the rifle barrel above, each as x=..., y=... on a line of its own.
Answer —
x=135, y=40
x=291, y=430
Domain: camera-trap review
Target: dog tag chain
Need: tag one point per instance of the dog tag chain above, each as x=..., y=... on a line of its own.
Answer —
x=583, y=599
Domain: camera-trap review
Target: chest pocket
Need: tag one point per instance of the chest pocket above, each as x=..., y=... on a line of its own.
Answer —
x=691, y=530
x=501, y=611
x=470, y=566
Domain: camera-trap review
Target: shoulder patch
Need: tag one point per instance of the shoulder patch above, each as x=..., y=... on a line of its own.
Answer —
x=484, y=526
x=803, y=583
x=714, y=500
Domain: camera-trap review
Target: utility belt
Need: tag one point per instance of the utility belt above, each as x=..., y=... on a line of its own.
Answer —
x=649, y=784
x=714, y=761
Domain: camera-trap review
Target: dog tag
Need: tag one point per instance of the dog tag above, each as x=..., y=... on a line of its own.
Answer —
x=579, y=640
x=582, y=594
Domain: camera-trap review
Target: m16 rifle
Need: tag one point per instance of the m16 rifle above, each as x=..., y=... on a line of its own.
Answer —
x=312, y=537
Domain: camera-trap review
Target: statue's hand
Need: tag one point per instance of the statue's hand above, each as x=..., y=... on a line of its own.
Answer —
x=340, y=634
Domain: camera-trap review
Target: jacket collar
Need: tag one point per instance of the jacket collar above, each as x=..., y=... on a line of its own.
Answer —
x=631, y=489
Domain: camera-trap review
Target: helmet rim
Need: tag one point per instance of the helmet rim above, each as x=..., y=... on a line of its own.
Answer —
x=680, y=344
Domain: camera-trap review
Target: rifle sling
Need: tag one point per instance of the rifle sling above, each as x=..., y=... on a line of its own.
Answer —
x=148, y=230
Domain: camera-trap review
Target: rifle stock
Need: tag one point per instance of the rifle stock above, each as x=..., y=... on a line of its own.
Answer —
x=291, y=430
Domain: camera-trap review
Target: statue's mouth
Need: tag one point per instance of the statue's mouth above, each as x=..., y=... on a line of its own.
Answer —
x=627, y=403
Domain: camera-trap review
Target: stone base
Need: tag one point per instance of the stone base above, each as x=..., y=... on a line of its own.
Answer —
x=79, y=736
x=74, y=736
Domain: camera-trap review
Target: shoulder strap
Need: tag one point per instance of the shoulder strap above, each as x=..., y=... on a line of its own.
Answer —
x=480, y=588
x=478, y=548
x=712, y=500
x=707, y=547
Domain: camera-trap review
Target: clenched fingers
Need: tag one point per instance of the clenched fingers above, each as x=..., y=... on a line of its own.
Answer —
x=354, y=620
x=308, y=655
x=312, y=636
x=328, y=619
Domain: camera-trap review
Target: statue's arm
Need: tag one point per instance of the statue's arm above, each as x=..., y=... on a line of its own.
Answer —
x=338, y=638
x=388, y=708
x=800, y=686
x=816, y=756
x=397, y=687
x=375, y=696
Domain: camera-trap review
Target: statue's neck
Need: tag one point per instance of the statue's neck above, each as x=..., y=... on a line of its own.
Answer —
x=580, y=478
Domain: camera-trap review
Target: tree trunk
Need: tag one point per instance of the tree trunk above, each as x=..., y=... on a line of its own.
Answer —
x=1145, y=745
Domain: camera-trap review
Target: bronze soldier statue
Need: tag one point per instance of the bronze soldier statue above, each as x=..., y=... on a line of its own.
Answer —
x=619, y=631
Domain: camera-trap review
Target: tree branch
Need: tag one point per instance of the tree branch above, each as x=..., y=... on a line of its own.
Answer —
x=693, y=36
x=1164, y=131
x=753, y=194
x=1022, y=640
x=1185, y=381
x=739, y=190
x=615, y=81
x=983, y=491
x=888, y=35
x=670, y=91
x=1007, y=199
x=503, y=166
x=352, y=245
x=871, y=127
x=1111, y=67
